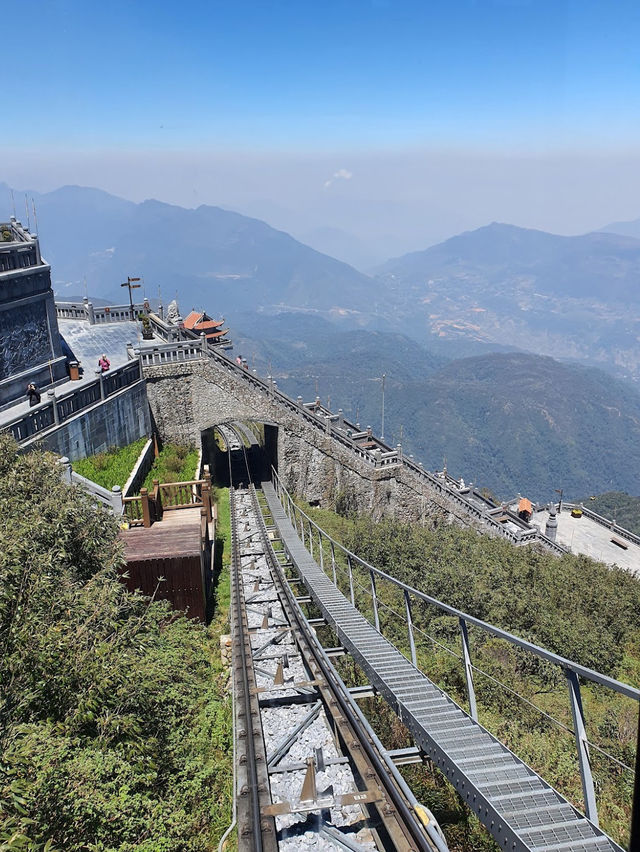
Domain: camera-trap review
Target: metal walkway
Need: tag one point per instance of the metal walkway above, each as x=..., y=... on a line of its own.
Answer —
x=519, y=808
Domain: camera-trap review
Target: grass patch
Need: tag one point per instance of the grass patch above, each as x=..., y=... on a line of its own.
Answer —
x=175, y=463
x=110, y=468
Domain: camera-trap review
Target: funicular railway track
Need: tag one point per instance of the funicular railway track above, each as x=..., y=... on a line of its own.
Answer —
x=311, y=773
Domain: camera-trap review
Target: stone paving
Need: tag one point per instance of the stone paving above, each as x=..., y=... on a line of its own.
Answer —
x=584, y=535
x=88, y=343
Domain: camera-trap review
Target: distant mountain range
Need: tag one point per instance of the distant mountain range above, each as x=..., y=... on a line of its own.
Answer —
x=627, y=229
x=497, y=288
x=510, y=421
x=209, y=257
x=571, y=297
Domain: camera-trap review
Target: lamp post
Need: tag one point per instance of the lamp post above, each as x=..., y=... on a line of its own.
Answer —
x=560, y=491
x=384, y=376
x=131, y=287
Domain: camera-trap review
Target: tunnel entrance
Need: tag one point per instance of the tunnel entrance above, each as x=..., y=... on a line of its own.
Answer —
x=260, y=442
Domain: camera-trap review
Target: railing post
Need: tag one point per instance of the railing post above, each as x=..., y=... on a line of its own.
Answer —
x=116, y=499
x=51, y=395
x=333, y=564
x=206, y=500
x=374, y=597
x=350, y=567
x=634, y=842
x=412, y=644
x=582, y=745
x=468, y=671
x=100, y=378
x=310, y=539
x=65, y=469
x=203, y=342
x=320, y=548
x=146, y=511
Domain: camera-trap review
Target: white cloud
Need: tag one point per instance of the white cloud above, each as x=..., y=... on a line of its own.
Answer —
x=341, y=174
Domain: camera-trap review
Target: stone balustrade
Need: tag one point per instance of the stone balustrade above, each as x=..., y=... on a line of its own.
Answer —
x=55, y=410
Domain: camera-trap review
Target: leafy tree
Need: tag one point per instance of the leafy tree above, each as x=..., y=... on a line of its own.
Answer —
x=114, y=728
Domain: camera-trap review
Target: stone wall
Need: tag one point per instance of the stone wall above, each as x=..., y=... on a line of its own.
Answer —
x=117, y=421
x=188, y=398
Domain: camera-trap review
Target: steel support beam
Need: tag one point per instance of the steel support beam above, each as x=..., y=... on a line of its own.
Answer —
x=582, y=745
x=412, y=644
x=468, y=671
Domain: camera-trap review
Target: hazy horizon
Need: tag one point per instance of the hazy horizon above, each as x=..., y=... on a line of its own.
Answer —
x=366, y=129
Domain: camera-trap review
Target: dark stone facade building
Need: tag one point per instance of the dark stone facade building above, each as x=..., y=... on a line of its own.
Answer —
x=30, y=349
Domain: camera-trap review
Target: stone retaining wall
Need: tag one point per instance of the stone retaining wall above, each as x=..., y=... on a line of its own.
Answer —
x=187, y=398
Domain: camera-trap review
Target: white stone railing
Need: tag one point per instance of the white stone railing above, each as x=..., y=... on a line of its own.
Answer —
x=55, y=410
x=111, y=499
x=347, y=434
x=86, y=311
x=602, y=521
x=170, y=353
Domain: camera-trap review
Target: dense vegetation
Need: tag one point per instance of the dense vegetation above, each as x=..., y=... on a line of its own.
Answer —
x=619, y=505
x=174, y=463
x=114, y=724
x=574, y=606
x=110, y=468
x=510, y=422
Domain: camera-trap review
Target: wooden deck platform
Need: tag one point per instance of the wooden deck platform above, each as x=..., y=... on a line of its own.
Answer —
x=177, y=532
x=168, y=560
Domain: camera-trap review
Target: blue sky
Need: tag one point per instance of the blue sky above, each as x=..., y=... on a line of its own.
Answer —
x=361, y=73
x=439, y=116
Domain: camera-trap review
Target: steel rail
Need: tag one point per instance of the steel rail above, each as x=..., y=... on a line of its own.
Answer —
x=258, y=834
x=417, y=821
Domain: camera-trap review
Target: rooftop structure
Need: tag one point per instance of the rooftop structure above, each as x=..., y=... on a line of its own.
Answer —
x=200, y=322
x=30, y=348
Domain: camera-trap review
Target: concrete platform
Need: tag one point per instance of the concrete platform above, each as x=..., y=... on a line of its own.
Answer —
x=584, y=535
x=89, y=342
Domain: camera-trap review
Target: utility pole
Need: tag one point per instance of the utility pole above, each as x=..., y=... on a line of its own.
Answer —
x=131, y=287
x=384, y=376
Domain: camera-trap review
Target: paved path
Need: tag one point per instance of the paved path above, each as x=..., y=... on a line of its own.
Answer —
x=583, y=535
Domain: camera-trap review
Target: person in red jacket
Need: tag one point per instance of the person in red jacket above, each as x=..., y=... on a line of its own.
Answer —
x=104, y=363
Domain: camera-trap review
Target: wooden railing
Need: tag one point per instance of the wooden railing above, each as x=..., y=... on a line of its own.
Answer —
x=148, y=507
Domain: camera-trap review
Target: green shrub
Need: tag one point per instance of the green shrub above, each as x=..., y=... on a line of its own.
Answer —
x=114, y=724
x=111, y=468
x=175, y=463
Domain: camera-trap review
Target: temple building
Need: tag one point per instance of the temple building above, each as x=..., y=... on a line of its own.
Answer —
x=199, y=322
x=30, y=348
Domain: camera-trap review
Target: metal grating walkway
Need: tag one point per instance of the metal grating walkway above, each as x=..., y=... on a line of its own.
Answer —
x=519, y=808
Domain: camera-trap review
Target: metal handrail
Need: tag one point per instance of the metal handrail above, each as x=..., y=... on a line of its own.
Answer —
x=543, y=653
x=572, y=670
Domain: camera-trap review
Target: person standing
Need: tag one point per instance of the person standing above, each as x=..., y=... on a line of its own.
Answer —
x=33, y=393
x=104, y=363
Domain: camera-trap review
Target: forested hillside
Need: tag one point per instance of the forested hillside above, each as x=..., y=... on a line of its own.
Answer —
x=572, y=605
x=114, y=725
x=510, y=422
x=617, y=505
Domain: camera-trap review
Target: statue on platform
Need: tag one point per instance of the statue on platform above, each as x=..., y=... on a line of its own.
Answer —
x=173, y=313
